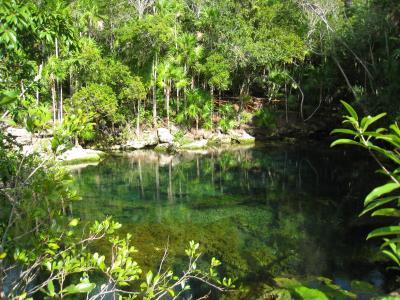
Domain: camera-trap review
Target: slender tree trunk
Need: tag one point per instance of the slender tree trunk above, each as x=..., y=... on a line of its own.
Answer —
x=58, y=105
x=61, y=114
x=138, y=119
x=168, y=95
x=177, y=99
x=53, y=98
x=155, y=92
x=212, y=107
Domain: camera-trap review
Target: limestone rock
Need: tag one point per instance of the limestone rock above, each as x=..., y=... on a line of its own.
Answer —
x=80, y=155
x=220, y=139
x=135, y=144
x=21, y=135
x=241, y=137
x=165, y=136
x=147, y=139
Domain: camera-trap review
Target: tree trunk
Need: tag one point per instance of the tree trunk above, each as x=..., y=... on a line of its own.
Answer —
x=177, y=99
x=138, y=119
x=155, y=92
x=168, y=95
x=60, y=111
x=212, y=107
x=53, y=98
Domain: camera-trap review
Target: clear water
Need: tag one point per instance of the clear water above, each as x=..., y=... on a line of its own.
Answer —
x=273, y=210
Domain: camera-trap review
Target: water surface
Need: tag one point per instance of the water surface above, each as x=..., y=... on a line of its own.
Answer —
x=273, y=210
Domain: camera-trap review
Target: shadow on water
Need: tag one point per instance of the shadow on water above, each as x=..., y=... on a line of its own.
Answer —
x=274, y=210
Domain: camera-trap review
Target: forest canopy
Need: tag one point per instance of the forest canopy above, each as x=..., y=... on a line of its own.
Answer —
x=144, y=59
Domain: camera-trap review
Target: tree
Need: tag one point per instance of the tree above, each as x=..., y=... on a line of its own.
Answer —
x=134, y=92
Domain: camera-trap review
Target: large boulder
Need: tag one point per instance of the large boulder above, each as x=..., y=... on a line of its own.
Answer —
x=21, y=135
x=219, y=139
x=78, y=155
x=165, y=136
x=147, y=139
x=135, y=144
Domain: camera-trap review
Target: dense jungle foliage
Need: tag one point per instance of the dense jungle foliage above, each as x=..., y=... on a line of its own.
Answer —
x=97, y=72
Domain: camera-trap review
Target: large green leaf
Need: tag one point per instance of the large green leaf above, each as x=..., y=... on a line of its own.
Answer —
x=7, y=97
x=367, y=121
x=345, y=142
x=387, y=212
x=350, y=109
x=380, y=191
x=306, y=293
x=344, y=131
x=378, y=203
x=384, y=231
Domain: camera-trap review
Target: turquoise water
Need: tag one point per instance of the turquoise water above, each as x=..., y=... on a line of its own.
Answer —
x=273, y=210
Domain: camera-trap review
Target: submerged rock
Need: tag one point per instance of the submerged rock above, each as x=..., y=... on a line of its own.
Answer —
x=164, y=147
x=165, y=136
x=79, y=155
x=200, y=144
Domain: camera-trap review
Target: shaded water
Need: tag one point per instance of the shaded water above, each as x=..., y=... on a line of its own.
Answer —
x=274, y=210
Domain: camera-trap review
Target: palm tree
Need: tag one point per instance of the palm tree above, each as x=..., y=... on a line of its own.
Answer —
x=165, y=76
x=181, y=82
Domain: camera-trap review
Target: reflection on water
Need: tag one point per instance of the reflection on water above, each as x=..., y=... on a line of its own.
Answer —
x=269, y=211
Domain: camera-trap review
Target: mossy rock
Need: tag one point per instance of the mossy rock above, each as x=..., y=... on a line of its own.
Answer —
x=78, y=155
x=195, y=145
x=163, y=148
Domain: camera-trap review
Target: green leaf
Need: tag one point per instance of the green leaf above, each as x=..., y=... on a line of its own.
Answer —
x=344, y=131
x=380, y=191
x=394, y=257
x=387, y=212
x=50, y=287
x=73, y=222
x=350, y=109
x=84, y=287
x=7, y=97
x=384, y=231
x=3, y=255
x=306, y=293
x=367, y=121
x=345, y=142
x=53, y=246
x=378, y=203
x=149, y=277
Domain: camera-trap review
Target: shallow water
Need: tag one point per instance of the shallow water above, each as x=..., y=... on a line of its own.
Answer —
x=273, y=210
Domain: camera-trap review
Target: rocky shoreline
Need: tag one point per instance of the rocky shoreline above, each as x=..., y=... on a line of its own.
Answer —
x=162, y=140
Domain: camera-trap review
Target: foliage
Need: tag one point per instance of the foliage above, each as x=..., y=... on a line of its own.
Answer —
x=56, y=257
x=227, y=117
x=76, y=126
x=266, y=118
x=98, y=101
x=383, y=201
x=37, y=118
x=198, y=109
